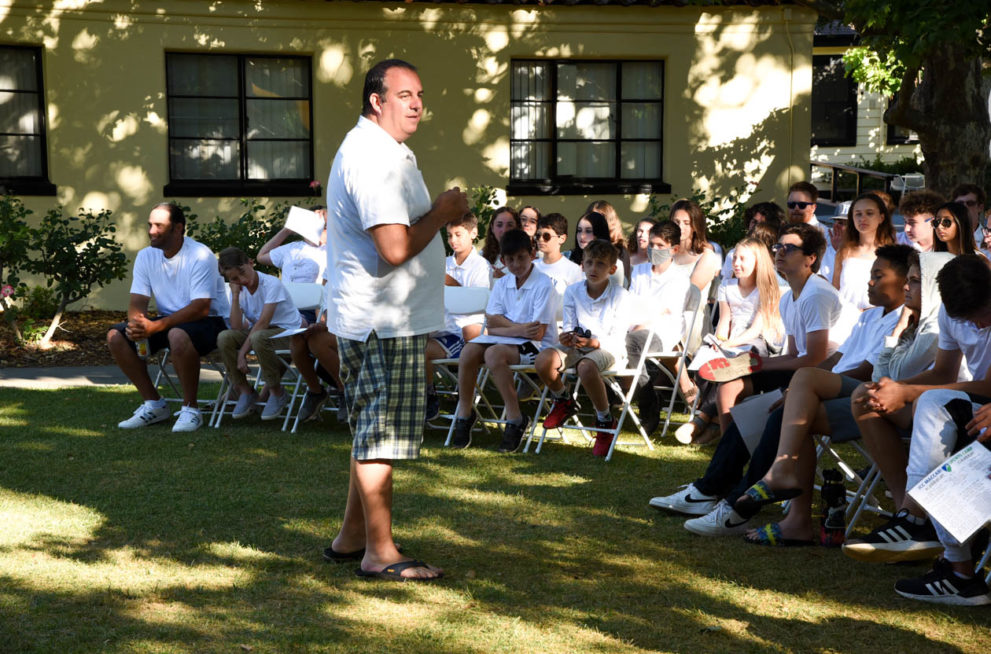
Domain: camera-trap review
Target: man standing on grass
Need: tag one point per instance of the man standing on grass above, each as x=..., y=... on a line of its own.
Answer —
x=385, y=295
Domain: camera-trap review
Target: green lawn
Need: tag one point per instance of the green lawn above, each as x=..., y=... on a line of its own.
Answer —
x=142, y=541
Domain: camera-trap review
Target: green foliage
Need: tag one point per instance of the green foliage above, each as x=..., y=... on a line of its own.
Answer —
x=33, y=331
x=249, y=231
x=482, y=201
x=15, y=238
x=903, y=166
x=77, y=253
x=723, y=214
x=39, y=303
x=877, y=75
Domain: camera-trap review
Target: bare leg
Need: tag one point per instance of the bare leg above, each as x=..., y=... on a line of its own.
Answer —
x=131, y=365
x=548, y=364
x=323, y=345
x=434, y=351
x=727, y=396
x=885, y=446
x=594, y=386
x=468, y=364
x=498, y=358
x=368, y=519
x=300, y=352
x=186, y=361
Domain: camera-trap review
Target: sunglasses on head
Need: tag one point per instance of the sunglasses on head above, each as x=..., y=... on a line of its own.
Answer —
x=945, y=223
x=799, y=205
x=786, y=248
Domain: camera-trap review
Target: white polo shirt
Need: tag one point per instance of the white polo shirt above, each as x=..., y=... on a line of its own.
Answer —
x=300, y=262
x=375, y=181
x=270, y=291
x=535, y=301
x=191, y=274
x=564, y=272
x=608, y=316
x=817, y=308
x=963, y=335
x=866, y=340
x=660, y=300
x=473, y=272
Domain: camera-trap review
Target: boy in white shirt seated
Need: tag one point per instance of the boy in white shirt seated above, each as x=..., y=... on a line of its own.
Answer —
x=597, y=315
x=260, y=308
x=658, y=287
x=466, y=267
x=523, y=304
x=299, y=262
x=552, y=232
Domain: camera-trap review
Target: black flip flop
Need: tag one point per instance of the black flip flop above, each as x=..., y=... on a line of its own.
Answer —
x=394, y=572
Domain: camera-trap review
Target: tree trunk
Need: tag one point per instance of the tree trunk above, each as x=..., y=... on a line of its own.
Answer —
x=56, y=321
x=954, y=130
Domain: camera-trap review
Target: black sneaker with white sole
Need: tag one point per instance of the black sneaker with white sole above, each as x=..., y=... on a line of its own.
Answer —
x=512, y=437
x=942, y=586
x=897, y=540
x=462, y=431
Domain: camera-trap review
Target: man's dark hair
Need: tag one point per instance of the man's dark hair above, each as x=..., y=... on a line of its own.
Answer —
x=773, y=214
x=601, y=250
x=964, y=285
x=513, y=241
x=916, y=202
x=964, y=189
x=813, y=242
x=807, y=188
x=176, y=216
x=317, y=207
x=469, y=221
x=667, y=230
x=375, y=81
x=554, y=221
x=897, y=255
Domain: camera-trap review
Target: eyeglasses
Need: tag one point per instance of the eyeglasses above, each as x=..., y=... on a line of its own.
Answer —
x=799, y=205
x=785, y=248
x=546, y=236
x=945, y=223
x=969, y=203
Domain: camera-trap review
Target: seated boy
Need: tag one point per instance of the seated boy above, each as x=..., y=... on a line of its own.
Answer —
x=657, y=285
x=523, y=304
x=552, y=232
x=596, y=318
x=466, y=267
x=919, y=209
x=261, y=301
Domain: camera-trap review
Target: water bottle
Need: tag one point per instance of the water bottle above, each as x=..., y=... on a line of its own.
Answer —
x=833, y=526
x=142, y=348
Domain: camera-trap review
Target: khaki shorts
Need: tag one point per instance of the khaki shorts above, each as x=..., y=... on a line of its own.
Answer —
x=602, y=359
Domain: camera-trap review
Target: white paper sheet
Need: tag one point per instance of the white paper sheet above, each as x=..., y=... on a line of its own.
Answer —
x=957, y=494
x=306, y=223
x=750, y=416
x=487, y=339
x=290, y=332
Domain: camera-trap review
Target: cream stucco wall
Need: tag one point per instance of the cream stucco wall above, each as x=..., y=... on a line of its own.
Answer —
x=736, y=89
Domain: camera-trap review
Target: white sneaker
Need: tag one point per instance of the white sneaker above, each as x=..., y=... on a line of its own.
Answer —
x=275, y=405
x=721, y=521
x=688, y=501
x=144, y=415
x=245, y=405
x=189, y=419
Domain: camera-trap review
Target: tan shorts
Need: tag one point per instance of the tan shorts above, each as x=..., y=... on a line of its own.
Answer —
x=602, y=359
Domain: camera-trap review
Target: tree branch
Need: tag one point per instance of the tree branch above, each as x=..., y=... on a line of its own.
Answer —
x=825, y=8
x=901, y=112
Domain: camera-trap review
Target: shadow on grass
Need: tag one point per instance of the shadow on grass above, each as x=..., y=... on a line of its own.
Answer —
x=207, y=541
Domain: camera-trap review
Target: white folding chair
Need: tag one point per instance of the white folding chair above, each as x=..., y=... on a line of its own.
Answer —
x=693, y=312
x=458, y=300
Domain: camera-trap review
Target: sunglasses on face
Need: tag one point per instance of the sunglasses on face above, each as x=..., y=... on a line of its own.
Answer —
x=969, y=203
x=546, y=236
x=945, y=223
x=801, y=206
x=785, y=248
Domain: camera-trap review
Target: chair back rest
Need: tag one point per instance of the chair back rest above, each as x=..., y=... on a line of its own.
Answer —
x=305, y=296
x=466, y=299
x=695, y=311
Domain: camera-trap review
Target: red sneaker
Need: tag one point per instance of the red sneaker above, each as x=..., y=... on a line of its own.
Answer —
x=603, y=441
x=560, y=411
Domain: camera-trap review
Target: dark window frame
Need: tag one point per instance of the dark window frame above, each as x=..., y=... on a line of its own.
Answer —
x=34, y=184
x=891, y=136
x=243, y=186
x=849, y=136
x=573, y=185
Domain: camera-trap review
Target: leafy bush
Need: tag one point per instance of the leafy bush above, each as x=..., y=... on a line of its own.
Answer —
x=250, y=231
x=903, y=166
x=39, y=303
x=723, y=214
x=15, y=239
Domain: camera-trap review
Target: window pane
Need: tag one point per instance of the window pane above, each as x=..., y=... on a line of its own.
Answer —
x=530, y=161
x=208, y=118
x=586, y=81
x=586, y=159
x=642, y=80
x=20, y=156
x=278, y=119
x=279, y=160
x=531, y=81
x=204, y=159
x=17, y=70
x=834, y=103
x=213, y=75
x=19, y=113
x=641, y=161
x=641, y=120
x=585, y=120
x=530, y=120
x=277, y=78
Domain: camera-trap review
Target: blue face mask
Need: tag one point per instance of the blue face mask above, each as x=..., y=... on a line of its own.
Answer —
x=659, y=256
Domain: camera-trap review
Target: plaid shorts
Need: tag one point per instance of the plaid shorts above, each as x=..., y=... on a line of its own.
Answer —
x=385, y=389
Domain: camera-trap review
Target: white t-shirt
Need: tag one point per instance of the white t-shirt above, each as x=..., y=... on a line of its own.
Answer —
x=270, y=291
x=853, y=281
x=608, y=316
x=536, y=301
x=375, y=181
x=660, y=298
x=191, y=274
x=817, y=308
x=564, y=272
x=473, y=272
x=867, y=338
x=300, y=262
x=963, y=335
x=743, y=309
x=828, y=261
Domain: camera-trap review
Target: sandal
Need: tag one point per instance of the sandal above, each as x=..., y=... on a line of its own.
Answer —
x=760, y=495
x=770, y=535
